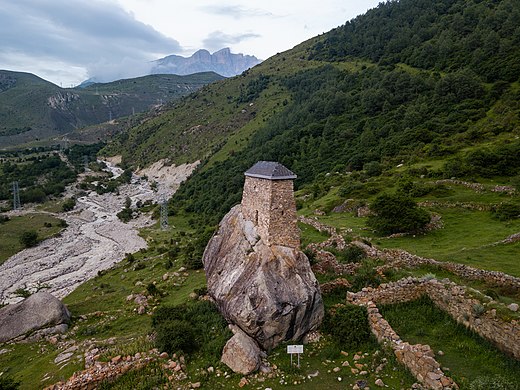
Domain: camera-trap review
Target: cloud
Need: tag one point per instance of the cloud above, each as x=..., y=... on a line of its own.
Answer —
x=79, y=33
x=218, y=40
x=235, y=11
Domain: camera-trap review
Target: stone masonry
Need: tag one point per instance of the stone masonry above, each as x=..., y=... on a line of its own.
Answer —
x=268, y=202
x=465, y=305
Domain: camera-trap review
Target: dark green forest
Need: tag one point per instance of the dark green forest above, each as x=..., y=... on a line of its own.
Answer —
x=43, y=174
x=433, y=85
x=443, y=35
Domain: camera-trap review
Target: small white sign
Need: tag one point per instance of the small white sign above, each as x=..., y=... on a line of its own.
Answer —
x=295, y=349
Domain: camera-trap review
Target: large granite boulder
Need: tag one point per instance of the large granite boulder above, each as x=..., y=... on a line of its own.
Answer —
x=39, y=312
x=269, y=292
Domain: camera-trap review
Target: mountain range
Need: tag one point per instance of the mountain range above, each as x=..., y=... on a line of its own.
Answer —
x=222, y=62
x=32, y=109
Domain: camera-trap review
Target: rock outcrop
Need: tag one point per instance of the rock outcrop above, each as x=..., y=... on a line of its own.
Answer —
x=222, y=62
x=269, y=292
x=41, y=312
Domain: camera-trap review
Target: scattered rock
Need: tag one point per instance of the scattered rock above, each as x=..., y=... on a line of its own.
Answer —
x=379, y=382
x=241, y=353
x=513, y=307
x=116, y=359
x=63, y=357
x=243, y=382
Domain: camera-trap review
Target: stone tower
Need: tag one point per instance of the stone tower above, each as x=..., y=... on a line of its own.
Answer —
x=268, y=202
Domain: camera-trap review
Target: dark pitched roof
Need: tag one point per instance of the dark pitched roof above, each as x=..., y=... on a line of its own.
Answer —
x=270, y=170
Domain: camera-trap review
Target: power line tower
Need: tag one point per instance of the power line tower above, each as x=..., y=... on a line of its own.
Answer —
x=16, y=196
x=164, y=213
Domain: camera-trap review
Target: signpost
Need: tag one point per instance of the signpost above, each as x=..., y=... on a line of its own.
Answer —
x=295, y=349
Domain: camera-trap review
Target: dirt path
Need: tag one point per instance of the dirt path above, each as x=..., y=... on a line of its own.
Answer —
x=94, y=240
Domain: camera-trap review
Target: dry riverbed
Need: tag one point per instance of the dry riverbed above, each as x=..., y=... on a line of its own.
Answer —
x=94, y=240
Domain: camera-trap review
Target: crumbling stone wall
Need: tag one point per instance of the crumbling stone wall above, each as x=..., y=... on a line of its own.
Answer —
x=398, y=258
x=458, y=301
x=270, y=205
x=418, y=358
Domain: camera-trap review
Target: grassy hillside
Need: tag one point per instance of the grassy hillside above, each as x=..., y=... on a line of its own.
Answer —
x=409, y=100
x=34, y=109
x=318, y=110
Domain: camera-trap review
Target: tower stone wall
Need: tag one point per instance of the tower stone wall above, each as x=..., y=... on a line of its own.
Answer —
x=270, y=205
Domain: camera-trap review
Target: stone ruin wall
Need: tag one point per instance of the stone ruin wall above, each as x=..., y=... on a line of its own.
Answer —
x=456, y=301
x=398, y=258
x=270, y=205
x=418, y=358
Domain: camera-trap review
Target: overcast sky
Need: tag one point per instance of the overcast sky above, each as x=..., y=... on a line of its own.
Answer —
x=69, y=41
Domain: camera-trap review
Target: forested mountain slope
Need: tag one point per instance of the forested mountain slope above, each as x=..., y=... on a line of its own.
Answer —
x=409, y=80
x=32, y=108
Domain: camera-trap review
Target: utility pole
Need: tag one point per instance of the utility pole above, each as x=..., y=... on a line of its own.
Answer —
x=16, y=196
x=164, y=213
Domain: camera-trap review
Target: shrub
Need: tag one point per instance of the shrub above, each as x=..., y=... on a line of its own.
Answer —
x=175, y=336
x=506, y=211
x=68, y=205
x=348, y=324
x=29, y=238
x=125, y=215
x=396, y=214
x=492, y=294
x=373, y=168
x=351, y=254
x=366, y=276
x=8, y=383
x=139, y=266
x=153, y=290
x=22, y=293
x=478, y=310
x=197, y=326
x=3, y=219
x=192, y=262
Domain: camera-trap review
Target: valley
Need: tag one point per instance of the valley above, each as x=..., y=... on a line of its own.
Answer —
x=376, y=167
x=94, y=240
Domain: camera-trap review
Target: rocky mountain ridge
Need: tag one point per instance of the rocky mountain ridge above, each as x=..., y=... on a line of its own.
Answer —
x=222, y=62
